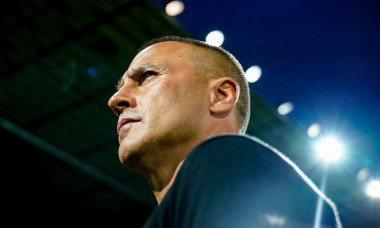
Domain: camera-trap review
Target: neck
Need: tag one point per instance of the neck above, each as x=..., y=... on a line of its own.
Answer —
x=160, y=189
x=161, y=175
x=161, y=169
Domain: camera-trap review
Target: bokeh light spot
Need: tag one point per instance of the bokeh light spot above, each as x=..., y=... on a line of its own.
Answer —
x=314, y=130
x=174, y=8
x=285, y=108
x=215, y=38
x=253, y=73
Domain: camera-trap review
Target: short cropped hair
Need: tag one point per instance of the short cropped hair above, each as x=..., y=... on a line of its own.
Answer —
x=211, y=62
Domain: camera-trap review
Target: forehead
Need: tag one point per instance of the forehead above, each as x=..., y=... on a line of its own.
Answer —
x=164, y=52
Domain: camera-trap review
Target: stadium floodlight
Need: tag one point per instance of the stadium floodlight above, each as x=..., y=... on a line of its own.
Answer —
x=373, y=189
x=329, y=149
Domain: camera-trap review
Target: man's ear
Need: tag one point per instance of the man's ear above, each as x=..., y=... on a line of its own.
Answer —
x=224, y=93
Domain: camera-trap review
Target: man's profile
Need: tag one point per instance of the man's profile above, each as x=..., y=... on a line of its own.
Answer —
x=183, y=109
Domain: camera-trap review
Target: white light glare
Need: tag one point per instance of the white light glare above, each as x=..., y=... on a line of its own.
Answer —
x=215, y=38
x=373, y=189
x=174, y=8
x=253, y=74
x=285, y=108
x=329, y=149
x=314, y=130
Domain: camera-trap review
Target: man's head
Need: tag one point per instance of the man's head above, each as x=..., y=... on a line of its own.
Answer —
x=175, y=93
x=212, y=62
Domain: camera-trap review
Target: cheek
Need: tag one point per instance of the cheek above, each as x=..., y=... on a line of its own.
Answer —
x=172, y=100
x=161, y=96
x=156, y=104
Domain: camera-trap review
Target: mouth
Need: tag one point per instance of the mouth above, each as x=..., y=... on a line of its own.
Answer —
x=125, y=121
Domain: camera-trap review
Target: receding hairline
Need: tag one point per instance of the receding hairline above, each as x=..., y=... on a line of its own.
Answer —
x=177, y=39
x=199, y=49
x=195, y=47
x=164, y=43
x=190, y=42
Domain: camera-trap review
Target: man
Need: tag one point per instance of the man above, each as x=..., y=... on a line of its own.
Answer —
x=183, y=109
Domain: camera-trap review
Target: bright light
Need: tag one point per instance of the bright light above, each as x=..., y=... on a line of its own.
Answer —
x=329, y=149
x=174, y=8
x=314, y=130
x=215, y=38
x=373, y=189
x=253, y=74
x=285, y=108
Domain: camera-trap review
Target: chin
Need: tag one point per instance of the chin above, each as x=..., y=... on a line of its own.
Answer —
x=130, y=159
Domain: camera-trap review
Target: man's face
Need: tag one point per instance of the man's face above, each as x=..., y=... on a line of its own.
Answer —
x=161, y=104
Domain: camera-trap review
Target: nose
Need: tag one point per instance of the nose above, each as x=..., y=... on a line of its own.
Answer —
x=121, y=100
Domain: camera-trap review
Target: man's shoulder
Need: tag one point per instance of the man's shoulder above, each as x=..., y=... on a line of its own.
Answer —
x=228, y=141
x=229, y=146
x=238, y=181
x=262, y=175
x=230, y=138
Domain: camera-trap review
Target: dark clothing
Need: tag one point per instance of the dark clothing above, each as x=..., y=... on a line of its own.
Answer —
x=233, y=181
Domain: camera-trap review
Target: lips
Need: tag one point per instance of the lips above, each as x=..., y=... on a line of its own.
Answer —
x=125, y=121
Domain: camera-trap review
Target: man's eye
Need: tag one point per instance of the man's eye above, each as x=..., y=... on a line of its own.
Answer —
x=147, y=74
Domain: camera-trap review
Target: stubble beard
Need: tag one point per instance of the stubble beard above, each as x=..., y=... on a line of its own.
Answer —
x=156, y=151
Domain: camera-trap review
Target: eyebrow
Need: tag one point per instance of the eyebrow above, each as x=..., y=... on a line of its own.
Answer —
x=138, y=70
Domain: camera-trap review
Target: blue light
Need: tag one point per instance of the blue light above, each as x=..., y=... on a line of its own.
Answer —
x=92, y=71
